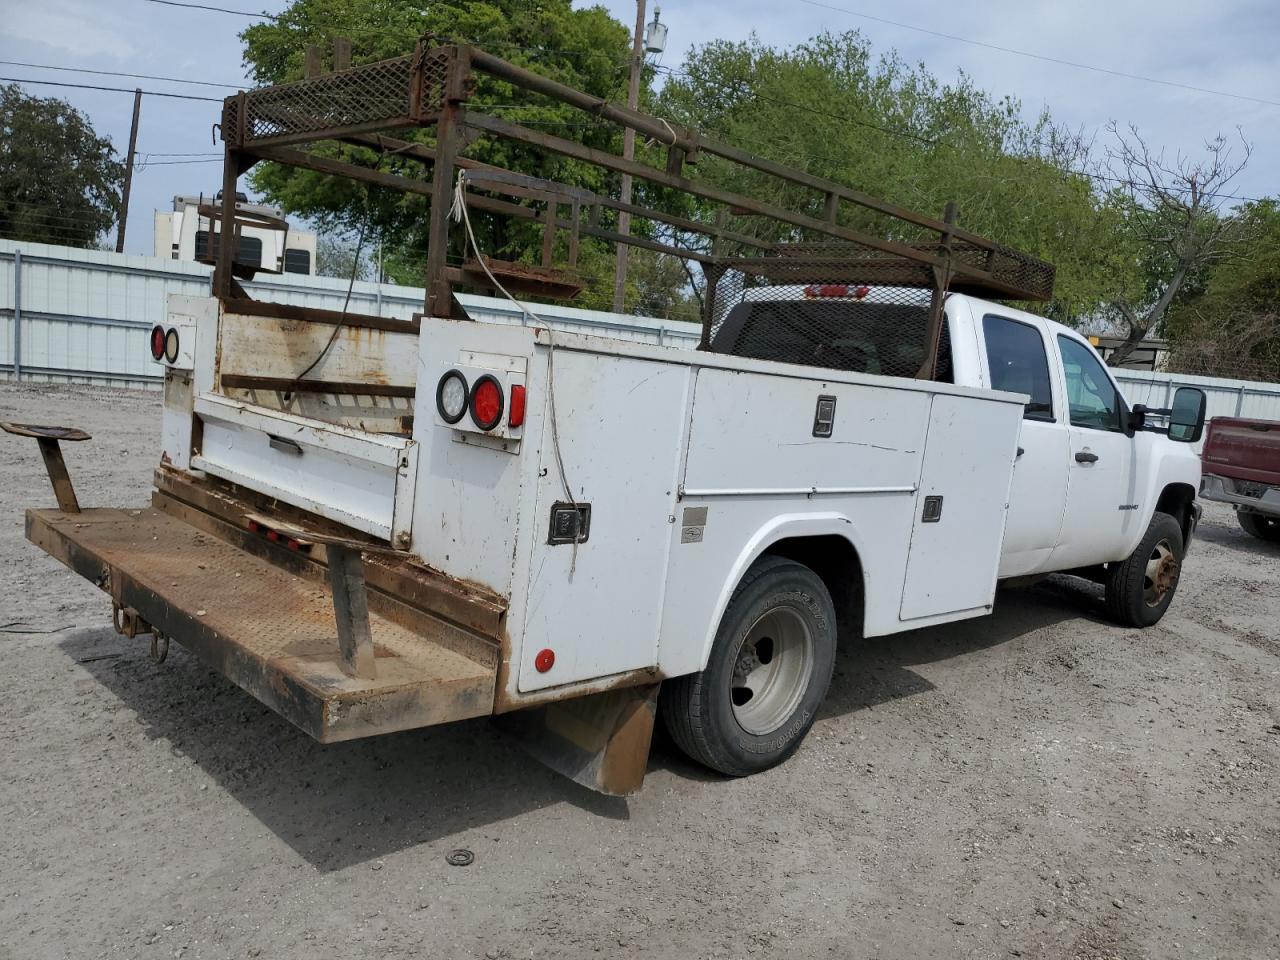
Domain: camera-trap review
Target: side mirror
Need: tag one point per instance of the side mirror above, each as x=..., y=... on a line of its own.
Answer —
x=1136, y=420
x=1186, y=416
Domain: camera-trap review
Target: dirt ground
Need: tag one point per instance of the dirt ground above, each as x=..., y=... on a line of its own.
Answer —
x=1034, y=784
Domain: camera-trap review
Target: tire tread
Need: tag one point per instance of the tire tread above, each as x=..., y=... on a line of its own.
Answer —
x=681, y=703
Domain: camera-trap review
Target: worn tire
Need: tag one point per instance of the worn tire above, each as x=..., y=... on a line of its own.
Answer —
x=775, y=595
x=1259, y=525
x=1134, y=598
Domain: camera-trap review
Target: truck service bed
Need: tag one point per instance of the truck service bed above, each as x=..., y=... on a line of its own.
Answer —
x=268, y=629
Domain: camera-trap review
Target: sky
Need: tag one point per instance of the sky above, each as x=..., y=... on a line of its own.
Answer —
x=1226, y=46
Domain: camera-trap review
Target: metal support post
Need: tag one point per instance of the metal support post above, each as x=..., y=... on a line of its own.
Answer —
x=351, y=608
x=128, y=171
x=628, y=153
x=17, y=315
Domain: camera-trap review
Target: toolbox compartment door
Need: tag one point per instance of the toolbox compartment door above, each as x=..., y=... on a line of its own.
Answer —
x=361, y=480
x=961, y=504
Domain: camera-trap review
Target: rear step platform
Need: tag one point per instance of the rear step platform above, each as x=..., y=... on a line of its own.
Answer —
x=271, y=632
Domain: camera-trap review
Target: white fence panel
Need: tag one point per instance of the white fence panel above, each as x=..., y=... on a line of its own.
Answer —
x=85, y=314
x=1225, y=398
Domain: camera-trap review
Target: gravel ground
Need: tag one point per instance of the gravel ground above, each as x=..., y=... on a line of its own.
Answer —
x=1038, y=783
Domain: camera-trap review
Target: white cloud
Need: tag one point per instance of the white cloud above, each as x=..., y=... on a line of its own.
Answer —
x=80, y=28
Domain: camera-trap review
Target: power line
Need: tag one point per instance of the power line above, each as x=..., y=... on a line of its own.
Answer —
x=205, y=6
x=1040, y=56
x=116, y=73
x=90, y=86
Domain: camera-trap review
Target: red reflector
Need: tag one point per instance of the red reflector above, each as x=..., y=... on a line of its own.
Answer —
x=273, y=535
x=486, y=403
x=157, y=342
x=517, y=406
x=294, y=544
x=861, y=292
x=544, y=661
x=254, y=526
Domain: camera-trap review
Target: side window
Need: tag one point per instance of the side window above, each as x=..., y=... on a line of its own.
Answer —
x=1016, y=356
x=1091, y=396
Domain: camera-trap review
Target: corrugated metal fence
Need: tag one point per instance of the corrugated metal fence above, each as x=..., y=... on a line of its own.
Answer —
x=83, y=316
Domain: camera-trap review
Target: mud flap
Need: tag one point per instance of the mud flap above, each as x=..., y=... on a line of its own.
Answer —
x=600, y=741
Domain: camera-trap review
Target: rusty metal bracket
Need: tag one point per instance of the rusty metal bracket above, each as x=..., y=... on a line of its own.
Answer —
x=54, y=465
x=600, y=741
x=128, y=622
x=351, y=608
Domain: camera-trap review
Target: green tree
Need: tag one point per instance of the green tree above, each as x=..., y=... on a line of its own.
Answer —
x=1231, y=326
x=59, y=181
x=585, y=48
x=895, y=131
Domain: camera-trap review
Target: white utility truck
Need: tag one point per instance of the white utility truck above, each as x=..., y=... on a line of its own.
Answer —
x=375, y=524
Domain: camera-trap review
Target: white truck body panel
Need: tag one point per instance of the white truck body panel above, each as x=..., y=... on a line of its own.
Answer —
x=694, y=464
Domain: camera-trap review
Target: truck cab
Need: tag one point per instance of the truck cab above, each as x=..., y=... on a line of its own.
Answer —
x=1088, y=478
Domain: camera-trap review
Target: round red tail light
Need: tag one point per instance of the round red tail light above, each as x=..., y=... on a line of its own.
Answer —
x=486, y=402
x=157, y=342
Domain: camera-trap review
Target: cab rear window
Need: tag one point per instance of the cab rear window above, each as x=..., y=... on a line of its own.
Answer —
x=862, y=336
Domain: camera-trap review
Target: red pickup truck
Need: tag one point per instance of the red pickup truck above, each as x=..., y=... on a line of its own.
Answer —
x=1241, y=466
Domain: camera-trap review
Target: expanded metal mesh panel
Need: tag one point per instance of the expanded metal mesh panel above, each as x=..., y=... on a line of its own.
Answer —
x=1023, y=276
x=823, y=316
x=431, y=80
x=376, y=92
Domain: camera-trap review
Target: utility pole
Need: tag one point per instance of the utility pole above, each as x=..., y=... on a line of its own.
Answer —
x=128, y=171
x=628, y=153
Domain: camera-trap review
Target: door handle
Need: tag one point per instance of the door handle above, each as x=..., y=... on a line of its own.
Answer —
x=1084, y=456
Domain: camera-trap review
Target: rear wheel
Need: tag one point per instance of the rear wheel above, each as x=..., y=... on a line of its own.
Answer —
x=1140, y=588
x=1259, y=525
x=768, y=672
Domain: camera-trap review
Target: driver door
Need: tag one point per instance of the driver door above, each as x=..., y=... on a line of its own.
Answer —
x=1102, y=508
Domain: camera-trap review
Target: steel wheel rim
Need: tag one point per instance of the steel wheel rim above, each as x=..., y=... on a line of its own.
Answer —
x=1161, y=575
x=771, y=671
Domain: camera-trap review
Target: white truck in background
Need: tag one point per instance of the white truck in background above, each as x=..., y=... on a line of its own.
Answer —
x=553, y=516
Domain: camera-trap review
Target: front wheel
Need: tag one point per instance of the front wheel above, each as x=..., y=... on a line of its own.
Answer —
x=768, y=672
x=1140, y=588
x=1260, y=525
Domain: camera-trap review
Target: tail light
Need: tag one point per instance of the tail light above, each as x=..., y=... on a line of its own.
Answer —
x=486, y=402
x=451, y=396
x=164, y=344
x=516, y=417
